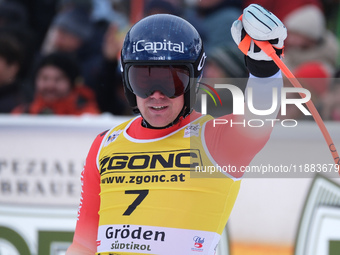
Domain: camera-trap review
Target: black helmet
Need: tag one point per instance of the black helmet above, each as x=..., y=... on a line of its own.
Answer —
x=167, y=43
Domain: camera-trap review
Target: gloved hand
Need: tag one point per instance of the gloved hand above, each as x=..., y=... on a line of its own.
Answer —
x=261, y=25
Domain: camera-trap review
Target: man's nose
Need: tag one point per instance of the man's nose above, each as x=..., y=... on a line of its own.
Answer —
x=157, y=94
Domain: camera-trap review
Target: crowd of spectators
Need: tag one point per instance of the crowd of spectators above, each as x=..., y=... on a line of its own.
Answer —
x=62, y=56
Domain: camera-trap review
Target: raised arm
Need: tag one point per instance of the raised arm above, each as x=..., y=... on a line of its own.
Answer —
x=235, y=139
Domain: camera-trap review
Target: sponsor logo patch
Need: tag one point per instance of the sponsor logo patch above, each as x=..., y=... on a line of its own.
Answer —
x=112, y=137
x=192, y=130
x=198, y=244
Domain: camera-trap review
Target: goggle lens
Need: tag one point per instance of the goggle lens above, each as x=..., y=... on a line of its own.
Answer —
x=171, y=80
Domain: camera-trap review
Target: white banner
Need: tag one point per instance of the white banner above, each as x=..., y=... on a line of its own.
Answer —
x=41, y=158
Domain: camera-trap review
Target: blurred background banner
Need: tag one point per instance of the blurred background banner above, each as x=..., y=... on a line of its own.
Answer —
x=35, y=229
x=46, y=132
x=41, y=158
x=318, y=228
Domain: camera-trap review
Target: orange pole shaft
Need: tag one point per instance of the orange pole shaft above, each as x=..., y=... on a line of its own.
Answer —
x=269, y=50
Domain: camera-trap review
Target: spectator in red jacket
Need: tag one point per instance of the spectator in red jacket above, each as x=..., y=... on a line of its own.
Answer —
x=57, y=89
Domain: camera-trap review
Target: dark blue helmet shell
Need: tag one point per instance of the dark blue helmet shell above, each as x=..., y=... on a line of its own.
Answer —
x=163, y=39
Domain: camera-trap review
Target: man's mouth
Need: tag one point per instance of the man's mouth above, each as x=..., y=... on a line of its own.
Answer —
x=157, y=108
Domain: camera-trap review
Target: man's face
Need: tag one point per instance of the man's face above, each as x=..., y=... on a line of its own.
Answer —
x=52, y=84
x=159, y=110
x=7, y=71
x=299, y=41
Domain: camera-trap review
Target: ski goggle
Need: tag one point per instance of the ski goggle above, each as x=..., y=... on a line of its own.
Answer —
x=171, y=80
